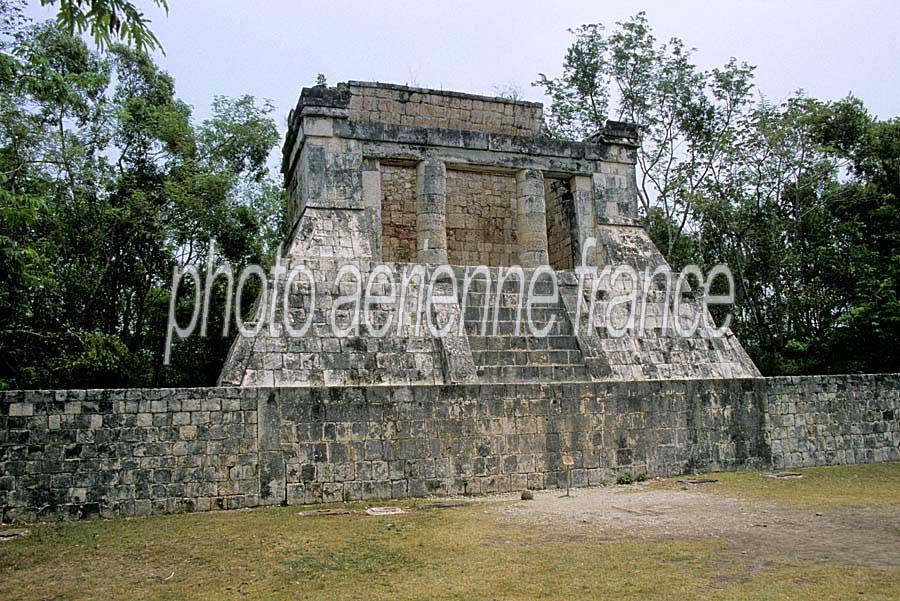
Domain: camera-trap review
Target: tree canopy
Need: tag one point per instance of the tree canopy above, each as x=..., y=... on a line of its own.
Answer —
x=106, y=182
x=799, y=198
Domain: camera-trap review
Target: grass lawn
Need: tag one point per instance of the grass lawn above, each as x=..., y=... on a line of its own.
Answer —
x=457, y=553
x=869, y=485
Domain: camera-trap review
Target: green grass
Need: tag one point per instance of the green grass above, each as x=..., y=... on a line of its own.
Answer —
x=825, y=487
x=459, y=553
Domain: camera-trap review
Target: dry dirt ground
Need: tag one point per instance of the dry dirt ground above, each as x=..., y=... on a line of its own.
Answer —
x=832, y=534
x=860, y=535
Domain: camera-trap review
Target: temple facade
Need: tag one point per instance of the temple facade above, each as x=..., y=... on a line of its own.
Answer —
x=389, y=177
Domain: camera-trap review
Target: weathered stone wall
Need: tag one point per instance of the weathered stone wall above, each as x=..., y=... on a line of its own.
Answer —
x=834, y=420
x=403, y=105
x=615, y=191
x=344, y=354
x=398, y=214
x=90, y=453
x=72, y=454
x=560, y=213
x=332, y=169
x=69, y=454
x=398, y=442
x=330, y=234
x=653, y=348
x=481, y=219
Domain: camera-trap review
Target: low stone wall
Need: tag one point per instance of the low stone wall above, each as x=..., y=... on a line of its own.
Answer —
x=834, y=420
x=394, y=442
x=75, y=454
x=88, y=453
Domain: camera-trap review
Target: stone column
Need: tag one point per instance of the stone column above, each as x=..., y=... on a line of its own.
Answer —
x=328, y=179
x=585, y=224
x=531, y=218
x=431, y=212
x=371, y=191
x=615, y=191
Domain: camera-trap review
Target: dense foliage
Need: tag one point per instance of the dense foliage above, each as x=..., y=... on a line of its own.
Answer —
x=106, y=183
x=801, y=199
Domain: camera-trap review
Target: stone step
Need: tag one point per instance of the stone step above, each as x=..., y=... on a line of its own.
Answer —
x=511, y=352
x=511, y=285
x=540, y=358
x=522, y=343
x=508, y=328
x=547, y=373
x=506, y=300
x=539, y=315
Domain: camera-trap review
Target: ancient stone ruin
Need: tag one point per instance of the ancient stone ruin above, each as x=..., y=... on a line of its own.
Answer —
x=381, y=175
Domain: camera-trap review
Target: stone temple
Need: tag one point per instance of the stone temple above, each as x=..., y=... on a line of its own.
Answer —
x=430, y=185
x=379, y=173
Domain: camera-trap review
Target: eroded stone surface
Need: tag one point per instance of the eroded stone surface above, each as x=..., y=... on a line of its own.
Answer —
x=383, y=173
x=89, y=453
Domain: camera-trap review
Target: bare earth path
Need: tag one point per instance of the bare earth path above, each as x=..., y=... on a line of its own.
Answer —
x=861, y=535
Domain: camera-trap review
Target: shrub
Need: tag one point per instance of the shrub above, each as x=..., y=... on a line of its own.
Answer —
x=625, y=478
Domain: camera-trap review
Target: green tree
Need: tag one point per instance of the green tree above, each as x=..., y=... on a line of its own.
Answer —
x=866, y=211
x=808, y=222
x=799, y=198
x=687, y=119
x=105, y=184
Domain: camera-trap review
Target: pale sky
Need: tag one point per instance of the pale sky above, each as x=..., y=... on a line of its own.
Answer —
x=271, y=49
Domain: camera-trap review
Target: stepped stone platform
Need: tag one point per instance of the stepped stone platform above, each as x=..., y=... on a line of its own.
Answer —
x=505, y=353
x=380, y=174
x=464, y=196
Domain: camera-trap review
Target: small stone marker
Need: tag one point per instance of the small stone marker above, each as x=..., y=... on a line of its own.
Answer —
x=784, y=475
x=568, y=462
x=697, y=481
x=527, y=495
x=440, y=505
x=385, y=510
x=314, y=512
x=15, y=533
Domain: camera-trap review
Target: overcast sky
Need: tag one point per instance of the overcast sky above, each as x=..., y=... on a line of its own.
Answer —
x=272, y=48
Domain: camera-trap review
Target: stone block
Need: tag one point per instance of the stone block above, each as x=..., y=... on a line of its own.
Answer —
x=21, y=410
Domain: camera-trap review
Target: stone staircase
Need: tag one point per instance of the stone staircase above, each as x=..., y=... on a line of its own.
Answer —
x=503, y=355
